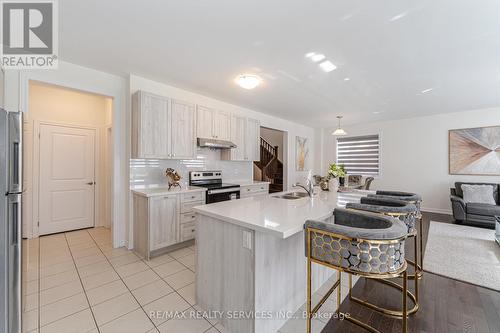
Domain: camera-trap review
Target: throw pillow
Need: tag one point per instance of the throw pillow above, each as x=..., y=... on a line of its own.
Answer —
x=478, y=194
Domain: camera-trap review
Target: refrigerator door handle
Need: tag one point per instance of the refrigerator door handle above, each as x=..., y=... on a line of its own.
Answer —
x=14, y=262
x=15, y=152
x=15, y=218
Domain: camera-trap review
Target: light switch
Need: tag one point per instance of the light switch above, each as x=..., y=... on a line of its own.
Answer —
x=247, y=239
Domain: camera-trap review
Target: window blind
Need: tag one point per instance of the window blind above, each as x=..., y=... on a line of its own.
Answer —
x=359, y=154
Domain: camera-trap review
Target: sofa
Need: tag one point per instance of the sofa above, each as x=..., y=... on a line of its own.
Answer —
x=474, y=213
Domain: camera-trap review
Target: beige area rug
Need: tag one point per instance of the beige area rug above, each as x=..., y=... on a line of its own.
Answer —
x=463, y=253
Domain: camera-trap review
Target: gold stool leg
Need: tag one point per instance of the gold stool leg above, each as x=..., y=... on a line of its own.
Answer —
x=350, y=286
x=339, y=281
x=309, y=291
x=405, y=289
x=416, y=269
x=421, y=236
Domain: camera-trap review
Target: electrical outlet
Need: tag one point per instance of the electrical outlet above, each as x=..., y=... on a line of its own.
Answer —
x=247, y=239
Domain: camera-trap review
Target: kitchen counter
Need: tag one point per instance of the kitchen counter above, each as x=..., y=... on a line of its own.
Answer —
x=250, y=256
x=277, y=216
x=159, y=191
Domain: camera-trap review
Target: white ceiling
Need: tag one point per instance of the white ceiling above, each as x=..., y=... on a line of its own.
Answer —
x=390, y=50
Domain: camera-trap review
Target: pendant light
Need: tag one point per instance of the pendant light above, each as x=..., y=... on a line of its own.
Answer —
x=339, y=131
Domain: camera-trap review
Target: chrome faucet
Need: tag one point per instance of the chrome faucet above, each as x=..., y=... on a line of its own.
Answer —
x=309, y=189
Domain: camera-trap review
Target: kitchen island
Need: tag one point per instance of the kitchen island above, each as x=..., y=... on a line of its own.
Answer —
x=250, y=257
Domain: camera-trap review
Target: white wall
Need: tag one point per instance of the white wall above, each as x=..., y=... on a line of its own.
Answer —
x=292, y=129
x=49, y=103
x=92, y=81
x=414, y=153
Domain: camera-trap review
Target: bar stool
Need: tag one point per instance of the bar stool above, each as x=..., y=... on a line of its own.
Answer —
x=405, y=212
x=415, y=199
x=358, y=243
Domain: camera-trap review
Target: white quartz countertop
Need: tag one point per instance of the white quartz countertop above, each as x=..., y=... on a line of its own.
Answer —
x=279, y=217
x=159, y=191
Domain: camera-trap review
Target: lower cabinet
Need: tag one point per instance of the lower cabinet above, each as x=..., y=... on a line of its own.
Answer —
x=164, y=221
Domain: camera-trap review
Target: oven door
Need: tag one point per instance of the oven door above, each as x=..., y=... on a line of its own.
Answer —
x=222, y=195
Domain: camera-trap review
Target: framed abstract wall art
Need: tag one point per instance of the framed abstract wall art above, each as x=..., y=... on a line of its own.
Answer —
x=474, y=151
x=301, y=153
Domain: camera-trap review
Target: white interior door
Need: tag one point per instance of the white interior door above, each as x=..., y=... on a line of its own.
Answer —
x=66, y=200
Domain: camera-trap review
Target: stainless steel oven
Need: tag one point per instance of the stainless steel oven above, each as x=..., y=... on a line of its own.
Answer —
x=217, y=191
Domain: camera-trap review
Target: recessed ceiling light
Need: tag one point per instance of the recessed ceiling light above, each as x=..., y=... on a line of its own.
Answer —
x=248, y=81
x=427, y=90
x=327, y=66
x=310, y=54
x=347, y=79
x=317, y=57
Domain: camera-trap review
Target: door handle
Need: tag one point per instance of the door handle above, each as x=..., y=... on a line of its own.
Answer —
x=91, y=183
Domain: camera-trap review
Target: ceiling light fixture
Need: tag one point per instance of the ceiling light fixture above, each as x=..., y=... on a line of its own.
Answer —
x=427, y=90
x=347, y=79
x=310, y=54
x=339, y=131
x=248, y=81
x=317, y=57
x=327, y=66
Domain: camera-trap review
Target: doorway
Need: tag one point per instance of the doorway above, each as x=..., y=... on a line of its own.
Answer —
x=68, y=185
x=271, y=166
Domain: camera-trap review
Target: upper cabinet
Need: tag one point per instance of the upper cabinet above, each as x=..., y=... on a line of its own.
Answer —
x=213, y=124
x=253, y=139
x=245, y=133
x=149, y=126
x=182, y=129
x=162, y=128
x=205, y=122
x=222, y=125
x=238, y=130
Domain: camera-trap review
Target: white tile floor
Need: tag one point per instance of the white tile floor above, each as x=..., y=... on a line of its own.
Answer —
x=77, y=282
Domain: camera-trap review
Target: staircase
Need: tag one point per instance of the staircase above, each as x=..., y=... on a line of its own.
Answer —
x=269, y=168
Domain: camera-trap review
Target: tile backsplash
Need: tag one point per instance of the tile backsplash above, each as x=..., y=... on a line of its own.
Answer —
x=151, y=172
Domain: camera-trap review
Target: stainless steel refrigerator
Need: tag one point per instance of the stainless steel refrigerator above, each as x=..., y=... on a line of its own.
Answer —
x=10, y=220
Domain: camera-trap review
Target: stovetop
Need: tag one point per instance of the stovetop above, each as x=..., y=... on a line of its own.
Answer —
x=216, y=186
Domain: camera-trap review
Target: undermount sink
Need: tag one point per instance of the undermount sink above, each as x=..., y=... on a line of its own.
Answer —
x=293, y=195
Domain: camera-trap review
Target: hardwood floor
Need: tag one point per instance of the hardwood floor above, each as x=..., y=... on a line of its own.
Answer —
x=446, y=305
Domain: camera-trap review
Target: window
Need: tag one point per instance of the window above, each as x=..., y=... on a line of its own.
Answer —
x=359, y=154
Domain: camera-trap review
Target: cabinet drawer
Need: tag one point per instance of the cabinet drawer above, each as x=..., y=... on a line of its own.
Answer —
x=188, y=217
x=254, y=188
x=187, y=207
x=188, y=231
x=192, y=196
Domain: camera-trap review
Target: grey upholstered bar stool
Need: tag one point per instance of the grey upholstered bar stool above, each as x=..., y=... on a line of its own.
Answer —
x=405, y=212
x=415, y=199
x=360, y=243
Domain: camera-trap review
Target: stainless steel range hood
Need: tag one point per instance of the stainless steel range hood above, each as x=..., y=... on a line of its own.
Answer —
x=214, y=143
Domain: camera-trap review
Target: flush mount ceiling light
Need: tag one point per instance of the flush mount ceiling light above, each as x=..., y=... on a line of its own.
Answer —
x=339, y=131
x=248, y=81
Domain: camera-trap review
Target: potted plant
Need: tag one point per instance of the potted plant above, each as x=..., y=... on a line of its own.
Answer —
x=334, y=173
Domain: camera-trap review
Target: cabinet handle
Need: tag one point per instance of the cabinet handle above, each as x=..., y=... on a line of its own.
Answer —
x=248, y=189
x=193, y=230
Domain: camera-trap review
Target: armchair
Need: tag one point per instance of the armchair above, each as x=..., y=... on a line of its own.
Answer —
x=474, y=213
